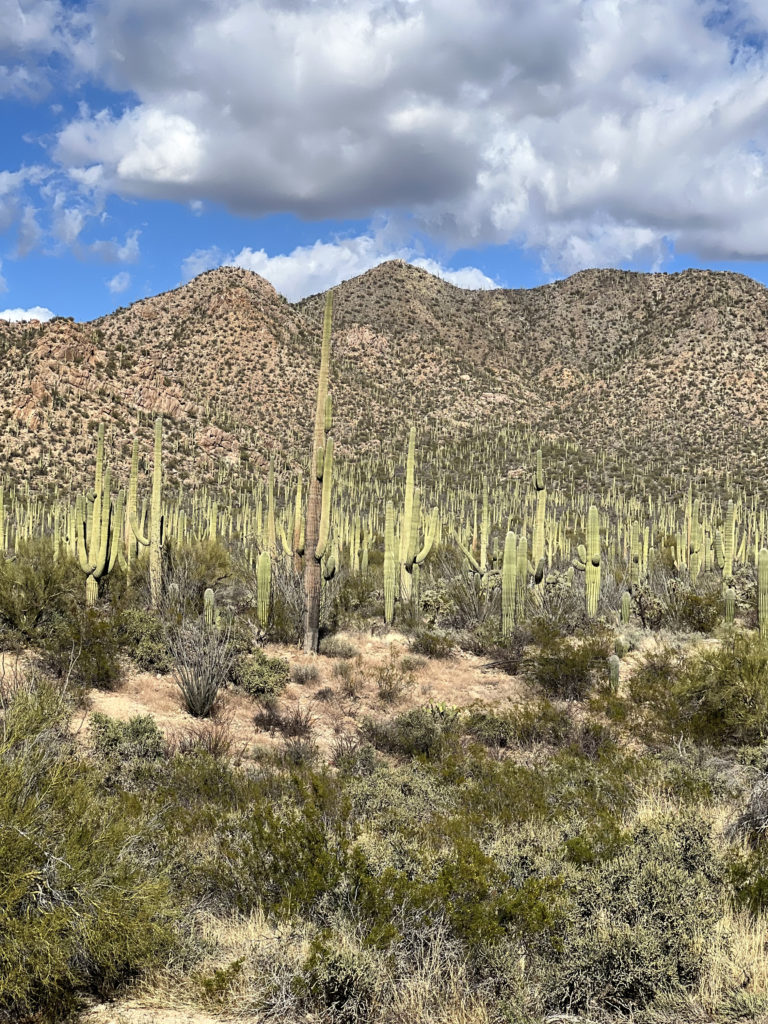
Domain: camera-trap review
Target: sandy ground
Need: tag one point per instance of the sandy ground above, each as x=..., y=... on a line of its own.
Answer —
x=461, y=681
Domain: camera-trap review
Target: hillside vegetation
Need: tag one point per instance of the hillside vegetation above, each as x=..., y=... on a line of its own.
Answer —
x=518, y=772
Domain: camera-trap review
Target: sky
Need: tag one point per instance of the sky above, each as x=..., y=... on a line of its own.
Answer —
x=497, y=144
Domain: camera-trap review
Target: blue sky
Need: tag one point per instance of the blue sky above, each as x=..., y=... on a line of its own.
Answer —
x=496, y=144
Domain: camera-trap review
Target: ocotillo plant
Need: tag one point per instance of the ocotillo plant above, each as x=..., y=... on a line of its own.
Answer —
x=319, y=497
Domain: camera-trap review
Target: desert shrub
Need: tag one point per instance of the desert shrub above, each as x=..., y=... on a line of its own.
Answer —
x=337, y=647
x=299, y=752
x=202, y=660
x=425, y=731
x=351, y=675
x=697, y=609
x=259, y=842
x=533, y=722
x=142, y=635
x=453, y=597
x=213, y=738
x=752, y=823
x=565, y=667
x=128, y=754
x=303, y=675
x=286, y=612
x=639, y=921
x=354, y=598
x=36, y=591
x=665, y=599
x=432, y=643
x=721, y=695
x=259, y=675
x=297, y=720
x=340, y=977
x=85, y=649
x=192, y=567
x=504, y=653
x=392, y=680
x=78, y=910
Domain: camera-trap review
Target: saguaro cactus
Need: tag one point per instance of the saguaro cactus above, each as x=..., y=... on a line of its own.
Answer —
x=390, y=573
x=319, y=498
x=508, y=584
x=155, y=539
x=264, y=587
x=589, y=560
x=762, y=592
x=98, y=535
x=405, y=523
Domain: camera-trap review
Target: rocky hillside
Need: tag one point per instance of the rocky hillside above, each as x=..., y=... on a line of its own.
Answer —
x=634, y=365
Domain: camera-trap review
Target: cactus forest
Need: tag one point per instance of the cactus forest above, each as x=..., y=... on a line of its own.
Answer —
x=468, y=723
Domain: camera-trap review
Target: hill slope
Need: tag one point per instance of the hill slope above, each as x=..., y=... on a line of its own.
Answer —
x=611, y=361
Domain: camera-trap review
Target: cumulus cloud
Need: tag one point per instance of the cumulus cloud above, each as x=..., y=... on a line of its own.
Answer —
x=119, y=283
x=592, y=130
x=314, y=268
x=112, y=251
x=34, y=313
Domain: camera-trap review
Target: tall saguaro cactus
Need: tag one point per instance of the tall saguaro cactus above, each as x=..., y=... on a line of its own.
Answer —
x=319, y=494
x=508, y=584
x=405, y=525
x=589, y=560
x=155, y=539
x=390, y=570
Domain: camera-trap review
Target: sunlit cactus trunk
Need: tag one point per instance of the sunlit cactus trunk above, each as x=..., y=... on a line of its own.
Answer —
x=319, y=495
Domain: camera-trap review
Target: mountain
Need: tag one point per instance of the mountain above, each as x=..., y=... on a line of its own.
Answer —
x=607, y=364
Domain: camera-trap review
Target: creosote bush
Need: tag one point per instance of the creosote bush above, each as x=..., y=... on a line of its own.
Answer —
x=566, y=667
x=79, y=911
x=258, y=675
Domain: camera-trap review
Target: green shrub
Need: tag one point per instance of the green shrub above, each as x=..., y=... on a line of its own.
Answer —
x=78, y=909
x=533, y=722
x=340, y=977
x=143, y=636
x=128, y=753
x=565, y=667
x=504, y=653
x=722, y=694
x=302, y=675
x=432, y=643
x=337, y=647
x=393, y=681
x=259, y=675
x=84, y=649
x=426, y=731
x=36, y=591
x=644, y=920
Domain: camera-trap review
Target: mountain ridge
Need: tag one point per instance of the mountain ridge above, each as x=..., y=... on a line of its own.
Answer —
x=609, y=360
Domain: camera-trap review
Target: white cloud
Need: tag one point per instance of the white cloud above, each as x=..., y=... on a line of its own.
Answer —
x=593, y=130
x=314, y=268
x=113, y=251
x=34, y=313
x=119, y=283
